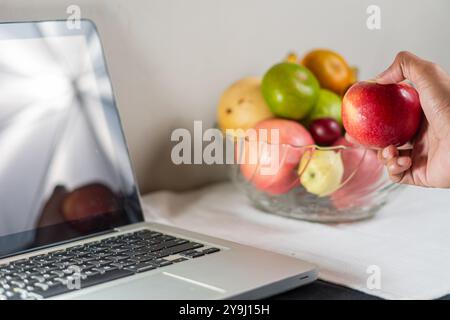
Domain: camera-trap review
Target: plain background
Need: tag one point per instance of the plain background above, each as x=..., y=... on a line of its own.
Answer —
x=170, y=59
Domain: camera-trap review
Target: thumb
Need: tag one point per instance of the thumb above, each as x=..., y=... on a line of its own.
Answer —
x=405, y=66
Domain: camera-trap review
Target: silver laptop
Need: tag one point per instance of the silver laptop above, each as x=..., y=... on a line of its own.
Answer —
x=71, y=223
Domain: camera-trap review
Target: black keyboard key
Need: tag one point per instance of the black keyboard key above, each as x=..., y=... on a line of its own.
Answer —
x=178, y=249
x=123, y=264
x=152, y=241
x=141, y=267
x=105, y=277
x=46, y=291
x=11, y=295
x=135, y=246
x=75, y=248
x=42, y=262
x=21, y=275
x=104, y=269
x=165, y=237
x=82, y=253
x=197, y=245
x=179, y=260
x=142, y=232
x=17, y=284
x=137, y=252
x=49, y=276
x=87, y=258
x=195, y=254
x=148, y=235
x=102, y=255
x=92, y=244
x=58, y=273
x=116, y=258
x=19, y=262
x=168, y=244
x=181, y=241
x=43, y=270
x=144, y=258
x=89, y=273
x=58, y=265
x=162, y=262
x=210, y=250
x=39, y=278
x=99, y=263
x=120, y=250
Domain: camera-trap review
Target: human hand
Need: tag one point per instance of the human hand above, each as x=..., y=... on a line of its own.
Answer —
x=427, y=163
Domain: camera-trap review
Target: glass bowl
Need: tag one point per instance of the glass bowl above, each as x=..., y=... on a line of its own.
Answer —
x=321, y=184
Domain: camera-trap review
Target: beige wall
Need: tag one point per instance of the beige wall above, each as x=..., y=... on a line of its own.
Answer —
x=170, y=59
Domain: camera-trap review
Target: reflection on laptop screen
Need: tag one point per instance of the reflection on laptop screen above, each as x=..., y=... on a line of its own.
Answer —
x=64, y=167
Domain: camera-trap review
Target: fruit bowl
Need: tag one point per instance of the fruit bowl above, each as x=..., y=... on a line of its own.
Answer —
x=341, y=183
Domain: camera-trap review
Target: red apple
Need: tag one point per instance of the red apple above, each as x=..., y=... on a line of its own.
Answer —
x=379, y=115
x=271, y=165
x=362, y=172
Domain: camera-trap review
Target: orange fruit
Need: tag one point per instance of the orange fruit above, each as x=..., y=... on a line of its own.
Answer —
x=330, y=68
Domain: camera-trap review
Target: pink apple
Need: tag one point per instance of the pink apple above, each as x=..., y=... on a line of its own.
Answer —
x=271, y=165
x=362, y=173
x=378, y=115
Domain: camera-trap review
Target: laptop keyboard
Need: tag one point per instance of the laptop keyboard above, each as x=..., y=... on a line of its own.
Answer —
x=82, y=266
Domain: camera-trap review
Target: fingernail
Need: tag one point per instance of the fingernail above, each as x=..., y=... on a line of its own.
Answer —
x=391, y=167
x=402, y=162
x=385, y=153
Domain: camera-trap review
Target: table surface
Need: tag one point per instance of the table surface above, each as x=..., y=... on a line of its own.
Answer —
x=322, y=290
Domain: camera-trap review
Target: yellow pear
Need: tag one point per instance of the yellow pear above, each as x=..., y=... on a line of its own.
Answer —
x=242, y=105
x=321, y=171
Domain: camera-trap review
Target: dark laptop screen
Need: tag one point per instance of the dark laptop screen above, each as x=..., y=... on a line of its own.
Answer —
x=64, y=166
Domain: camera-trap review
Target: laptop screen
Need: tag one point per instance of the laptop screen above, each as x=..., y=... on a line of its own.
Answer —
x=65, y=171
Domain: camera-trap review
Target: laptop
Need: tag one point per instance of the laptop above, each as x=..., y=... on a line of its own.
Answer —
x=71, y=221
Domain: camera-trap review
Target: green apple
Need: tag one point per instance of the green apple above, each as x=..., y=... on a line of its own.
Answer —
x=321, y=171
x=328, y=106
x=290, y=90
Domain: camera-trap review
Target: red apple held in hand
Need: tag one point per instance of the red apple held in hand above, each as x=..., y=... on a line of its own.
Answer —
x=362, y=172
x=379, y=115
x=325, y=131
x=271, y=165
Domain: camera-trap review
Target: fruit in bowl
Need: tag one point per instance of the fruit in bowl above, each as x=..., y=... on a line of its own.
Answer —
x=321, y=171
x=242, y=105
x=331, y=69
x=268, y=164
x=325, y=131
x=328, y=105
x=379, y=115
x=307, y=170
x=290, y=90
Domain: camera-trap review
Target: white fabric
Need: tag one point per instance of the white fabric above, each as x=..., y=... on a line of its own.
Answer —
x=409, y=239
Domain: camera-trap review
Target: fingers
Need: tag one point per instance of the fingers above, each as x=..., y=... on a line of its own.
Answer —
x=399, y=170
x=405, y=66
x=398, y=164
x=388, y=153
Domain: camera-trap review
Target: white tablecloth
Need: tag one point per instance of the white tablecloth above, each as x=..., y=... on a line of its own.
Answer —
x=407, y=243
